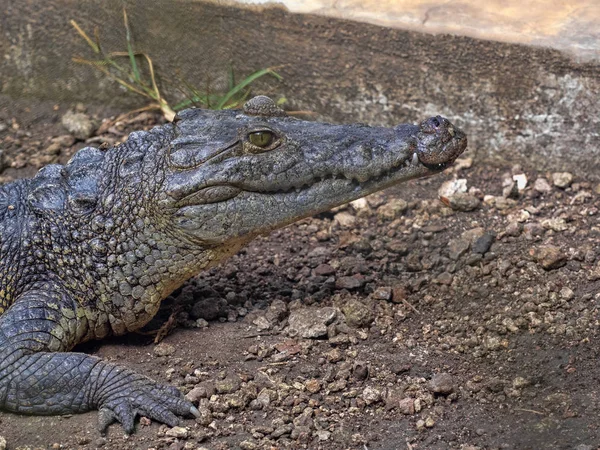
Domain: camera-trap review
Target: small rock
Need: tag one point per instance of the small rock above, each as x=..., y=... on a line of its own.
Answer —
x=441, y=383
x=324, y=270
x=310, y=323
x=444, y=278
x=542, y=186
x=357, y=313
x=248, y=445
x=334, y=355
x=313, y=385
x=429, y=422
x=555, y=224
x=228, y=385
x=549, y=256
x=196, y=394
x=262, y=323
x=164, y=349
x=597, y=189
x=371, y=395
x=345, y=219
x=463, y=163
x=566, y=293
x=511, y=191
x=513, y=229
x=2, y=443
x=532, y=230
x=520, y=382
x=407, y=406
x=360, y=204
x=351, y=283
x=392, y=209
x=53, y=149
x=452, y=187
x=383, y=293
x=521, y=180
x=483, y=244
x=323, y=435
x=458, y=247
x=360, y=371
x=463, y=202
x=562, y=179
x=178, y=432
x=78, y=124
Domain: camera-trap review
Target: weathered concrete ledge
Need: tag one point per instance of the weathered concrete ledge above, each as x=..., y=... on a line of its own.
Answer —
x=535, y=106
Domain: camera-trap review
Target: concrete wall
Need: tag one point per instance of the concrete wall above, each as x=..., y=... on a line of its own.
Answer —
x=528, y=104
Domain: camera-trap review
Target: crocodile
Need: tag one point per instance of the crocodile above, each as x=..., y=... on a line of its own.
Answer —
x=90, y=248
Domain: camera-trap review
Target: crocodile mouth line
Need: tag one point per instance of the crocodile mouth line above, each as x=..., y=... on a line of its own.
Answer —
x=227, y=192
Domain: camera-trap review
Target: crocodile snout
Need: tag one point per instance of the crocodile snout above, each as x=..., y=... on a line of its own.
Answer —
x=439, y=142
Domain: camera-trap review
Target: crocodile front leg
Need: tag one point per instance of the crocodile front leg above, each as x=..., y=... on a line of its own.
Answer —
x=39, y=376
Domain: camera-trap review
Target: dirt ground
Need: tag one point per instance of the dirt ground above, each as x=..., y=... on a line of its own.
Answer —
x=392, y=323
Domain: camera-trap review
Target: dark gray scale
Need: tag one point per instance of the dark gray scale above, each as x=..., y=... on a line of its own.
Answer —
x=48, y=189
x=84, y=173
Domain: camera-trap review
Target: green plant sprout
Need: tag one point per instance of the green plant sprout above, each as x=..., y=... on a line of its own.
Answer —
x=130, y=77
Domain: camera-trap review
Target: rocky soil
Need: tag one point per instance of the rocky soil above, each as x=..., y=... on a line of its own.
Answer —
x=456, y=312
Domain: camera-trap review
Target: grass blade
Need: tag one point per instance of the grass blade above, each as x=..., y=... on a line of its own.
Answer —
x=83, y=34
x=130, y=52
x=248, y=80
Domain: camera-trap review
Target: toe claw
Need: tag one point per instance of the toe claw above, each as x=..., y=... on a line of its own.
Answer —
x=194, y=411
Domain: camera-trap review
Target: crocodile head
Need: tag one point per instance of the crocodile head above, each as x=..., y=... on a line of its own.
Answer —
x=233, y=175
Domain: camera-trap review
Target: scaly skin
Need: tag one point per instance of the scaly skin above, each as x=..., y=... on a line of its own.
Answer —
x=90, y=249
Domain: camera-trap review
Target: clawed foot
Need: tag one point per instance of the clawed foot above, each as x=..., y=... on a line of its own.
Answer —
x=145, y=397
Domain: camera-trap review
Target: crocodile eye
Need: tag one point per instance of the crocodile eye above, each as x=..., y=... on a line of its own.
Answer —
x=261, y=139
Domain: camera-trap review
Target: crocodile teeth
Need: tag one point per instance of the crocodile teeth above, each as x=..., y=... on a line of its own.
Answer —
x=415, y=159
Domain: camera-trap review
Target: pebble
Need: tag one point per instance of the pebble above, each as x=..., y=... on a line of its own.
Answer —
x=513, y=229
x=228, y=385
x=345, y=219
x=548, y=256
x=463, y=202
x=2, y=443
x=441, y=383
x=324, y=270
x=483, y=244
x=392, y=209
x=351, y=283
x=452, y=187
x=323, y=435
x=310, y=323
x=555, y=224
x=521, y=181
x=360, y=371
x=383, y=293
x=542, y=186
x=566, y=293
x=178, y=432
x=562, y=179
x=248, y=445
x=371, y=395
x=407, y=406
x=78, y=124
x=357, y=313
x=313, y=385
x=458, y=247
